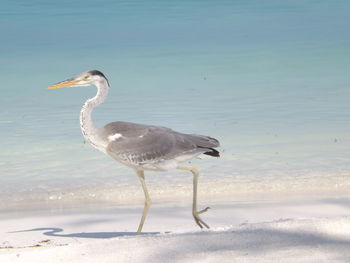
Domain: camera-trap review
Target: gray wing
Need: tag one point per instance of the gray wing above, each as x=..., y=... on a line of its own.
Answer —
x=138, y=144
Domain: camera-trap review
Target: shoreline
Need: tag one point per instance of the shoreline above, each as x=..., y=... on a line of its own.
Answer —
x=230, y=190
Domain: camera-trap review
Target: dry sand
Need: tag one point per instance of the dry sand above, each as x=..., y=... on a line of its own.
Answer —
x=293, y=231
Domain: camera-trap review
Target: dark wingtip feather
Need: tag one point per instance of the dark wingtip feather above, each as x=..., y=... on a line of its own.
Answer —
x=212, y=152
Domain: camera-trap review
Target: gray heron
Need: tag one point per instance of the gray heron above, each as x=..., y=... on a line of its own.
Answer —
x=138, y=146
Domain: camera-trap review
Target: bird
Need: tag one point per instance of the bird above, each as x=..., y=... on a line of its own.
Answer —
x=139, y=146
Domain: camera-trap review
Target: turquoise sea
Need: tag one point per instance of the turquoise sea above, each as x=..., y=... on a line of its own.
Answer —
x=269, y=79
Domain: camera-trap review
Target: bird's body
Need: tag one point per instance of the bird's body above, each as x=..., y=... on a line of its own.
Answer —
x=141, y=147
x=149, y=147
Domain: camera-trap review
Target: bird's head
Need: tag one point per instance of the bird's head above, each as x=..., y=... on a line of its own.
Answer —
x=88, y=78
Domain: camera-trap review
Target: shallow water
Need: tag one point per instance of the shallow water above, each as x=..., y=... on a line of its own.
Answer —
x=268, y=79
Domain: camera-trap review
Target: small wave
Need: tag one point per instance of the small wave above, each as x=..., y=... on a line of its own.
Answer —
x=232, y=189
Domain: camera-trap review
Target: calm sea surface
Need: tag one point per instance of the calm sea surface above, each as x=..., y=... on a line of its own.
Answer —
x=269, y=79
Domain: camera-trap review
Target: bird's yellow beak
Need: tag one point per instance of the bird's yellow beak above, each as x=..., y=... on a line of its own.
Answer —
x=66, y=83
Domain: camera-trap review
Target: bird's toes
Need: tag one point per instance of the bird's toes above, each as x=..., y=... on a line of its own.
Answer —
x=203, y=223
x=198, y=220
x=203, y=210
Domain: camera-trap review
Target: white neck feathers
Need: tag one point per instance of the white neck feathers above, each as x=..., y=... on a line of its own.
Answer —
x=87, y=126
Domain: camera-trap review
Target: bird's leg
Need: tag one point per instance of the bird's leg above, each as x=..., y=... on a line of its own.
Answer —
x=195, y=212
x=141, y=176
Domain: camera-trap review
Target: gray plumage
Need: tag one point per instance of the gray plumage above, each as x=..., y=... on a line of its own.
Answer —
x=154, y=147
x=141, y=147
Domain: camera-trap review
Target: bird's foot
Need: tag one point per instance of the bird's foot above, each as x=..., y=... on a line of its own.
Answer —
x=198, y=220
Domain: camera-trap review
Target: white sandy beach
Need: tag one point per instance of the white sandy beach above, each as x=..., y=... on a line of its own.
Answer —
x=288, y=231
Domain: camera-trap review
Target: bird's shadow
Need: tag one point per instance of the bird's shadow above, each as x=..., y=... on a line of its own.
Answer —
x=55, y=232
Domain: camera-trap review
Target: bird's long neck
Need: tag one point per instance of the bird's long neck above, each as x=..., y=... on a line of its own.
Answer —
x=87, y=126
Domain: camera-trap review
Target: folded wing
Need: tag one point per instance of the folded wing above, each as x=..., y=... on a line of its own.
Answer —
x=143, y=144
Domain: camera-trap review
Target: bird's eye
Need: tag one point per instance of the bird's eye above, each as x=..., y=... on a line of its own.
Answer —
x=86, y=77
